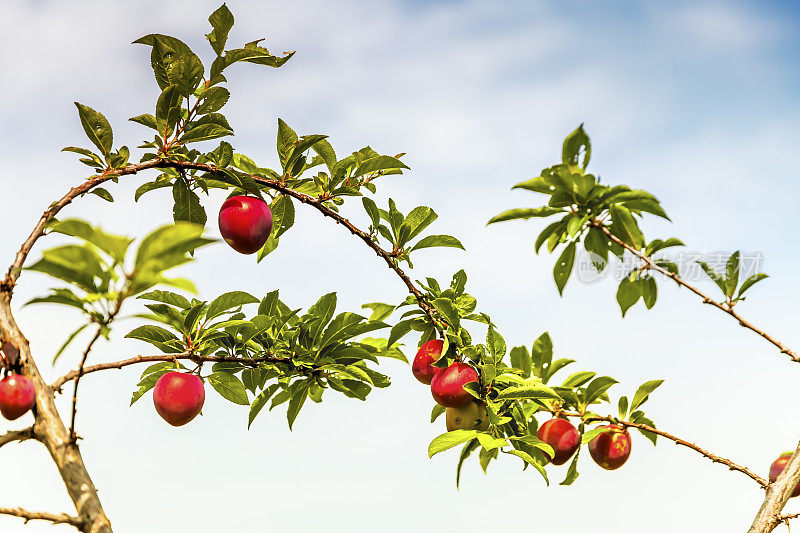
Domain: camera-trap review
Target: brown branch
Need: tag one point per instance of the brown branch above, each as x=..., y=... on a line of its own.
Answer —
x=110, y=318
x=652, y=265
x=56, y=518
x=254, y=361
x=72, y=435
x=7, y=285
x=677, y=440
x=20, y=435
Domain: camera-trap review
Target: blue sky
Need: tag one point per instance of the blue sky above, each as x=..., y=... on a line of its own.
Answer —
x=697, y=102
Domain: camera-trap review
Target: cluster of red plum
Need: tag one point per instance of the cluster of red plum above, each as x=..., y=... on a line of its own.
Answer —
x=610, y=449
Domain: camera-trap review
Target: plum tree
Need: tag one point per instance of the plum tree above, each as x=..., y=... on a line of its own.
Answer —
x=260, y=351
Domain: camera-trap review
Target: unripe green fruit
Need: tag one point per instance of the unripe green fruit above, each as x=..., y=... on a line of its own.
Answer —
x=471, y=416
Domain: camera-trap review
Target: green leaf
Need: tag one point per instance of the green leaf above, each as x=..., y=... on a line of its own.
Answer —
x=624, y=226
x=205, y=132
x=628, y=293
x=229, y=387
x=563, y=267
x=399, y=330
x=173, y=62
x=450, y=439
x=521, y=359
x=649, y=291
x=259, y=402
x=468, y=448
x=589, y=436
x=380, y=311
x=166, y=297
x=254, y=54
x=732, y=274
x=437, y=411
x=169, y=106
x=372, y=211
x=529, y=391
x=718, y=279
x=222, y=22
x=227, y=301
x=146, y=120
x=296, y=402
x=437, y=240
x=167, y=246
x=113, y=245
x=417, y=220
x=96, y=127
x=157, y=336
x=213, y=99
x=749, y=282
x=524, y=213
x=378, y=163
x=643, y=392
x=102, y=193
x=187, y=205
x=572, y=471
x=570, y=152
x=448, y=310
x=68, y=341
x=597, y=388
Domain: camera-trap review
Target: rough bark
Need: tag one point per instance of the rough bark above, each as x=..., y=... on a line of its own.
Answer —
x=778, y=493
x=49, y=429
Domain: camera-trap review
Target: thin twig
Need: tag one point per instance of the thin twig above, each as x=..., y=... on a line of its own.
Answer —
x=254, y=361
x=651, y=264
x=56, y=518
x=19, y=435
x=677, y=440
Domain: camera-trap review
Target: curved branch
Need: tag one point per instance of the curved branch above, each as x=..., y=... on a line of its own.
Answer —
x=20, y=435
x=652, y=265
x=677, y=440
x=7, y=285
x=55, y=518
x=254, y=361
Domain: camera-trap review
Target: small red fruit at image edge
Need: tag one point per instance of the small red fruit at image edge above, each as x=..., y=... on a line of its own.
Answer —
x=562, y=437
x=610, y=449
x=428, y=353
x=17, y=396
x=245, y=223
x=777, y=467
x=178, y=397
x=447, y=386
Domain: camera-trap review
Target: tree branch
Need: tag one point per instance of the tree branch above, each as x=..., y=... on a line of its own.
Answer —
x=778, y=493
x=652, y=265
x=255, y=361
x=55, y=518
x=7, y=285
x=20, y=435
x=677, y=440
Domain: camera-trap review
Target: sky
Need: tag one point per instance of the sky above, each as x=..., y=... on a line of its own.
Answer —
x=697, y=102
